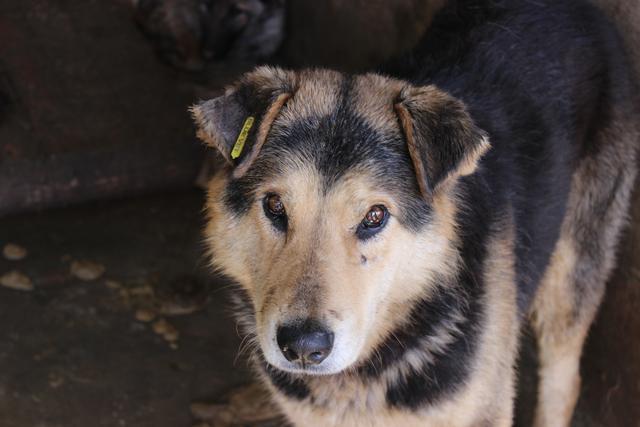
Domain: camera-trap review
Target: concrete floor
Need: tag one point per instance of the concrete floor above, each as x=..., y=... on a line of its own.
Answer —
x=72, y=353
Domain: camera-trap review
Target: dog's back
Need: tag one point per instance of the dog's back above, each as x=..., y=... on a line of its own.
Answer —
x=491, y=168
x=545, y=80
x=550, y=83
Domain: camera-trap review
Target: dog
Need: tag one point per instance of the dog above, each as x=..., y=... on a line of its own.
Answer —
x=391, y=232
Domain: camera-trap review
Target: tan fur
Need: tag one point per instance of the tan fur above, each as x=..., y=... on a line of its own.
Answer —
x=485, y=400
x=430, y=99
x=268, y=79
x=574, y=283
x=466, y=167
x=470, y=162
x=205, y=132
x=560, y=342
x=407, y=125
x=285, y=281
x=373, y=99
x=316, y=93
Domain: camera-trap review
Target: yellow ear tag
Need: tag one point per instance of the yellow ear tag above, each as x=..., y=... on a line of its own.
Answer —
x=242, y=138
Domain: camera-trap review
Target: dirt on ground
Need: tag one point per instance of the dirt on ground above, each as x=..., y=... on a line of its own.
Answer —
x=122, y=326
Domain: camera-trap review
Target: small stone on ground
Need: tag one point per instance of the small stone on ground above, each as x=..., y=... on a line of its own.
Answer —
x=184, y=295
x=14, y=252
x=247, y=405
x=87, y=270
x=144, y=315
x=16, y=280
x=113, y=284
x=166, y=330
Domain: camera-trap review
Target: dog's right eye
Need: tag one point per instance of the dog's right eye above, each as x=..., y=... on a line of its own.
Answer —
x=275, y=211
x=275, y=205
x=373, y=222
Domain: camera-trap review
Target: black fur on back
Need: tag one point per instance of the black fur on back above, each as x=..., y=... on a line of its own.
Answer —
x=535, y=75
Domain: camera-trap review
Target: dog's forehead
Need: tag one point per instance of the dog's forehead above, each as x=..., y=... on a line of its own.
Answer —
x=317, y=93
x=339, y=121
x=373, y=97
x=324, y=92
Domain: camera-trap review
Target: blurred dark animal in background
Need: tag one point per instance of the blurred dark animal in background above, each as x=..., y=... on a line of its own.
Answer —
x=187, y=33
x=348, y=35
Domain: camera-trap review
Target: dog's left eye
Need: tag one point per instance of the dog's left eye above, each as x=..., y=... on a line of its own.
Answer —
x=275, y=205
x=275, y=211
x=374, y=221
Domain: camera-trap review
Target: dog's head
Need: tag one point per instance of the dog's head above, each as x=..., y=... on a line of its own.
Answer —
x=337, y=206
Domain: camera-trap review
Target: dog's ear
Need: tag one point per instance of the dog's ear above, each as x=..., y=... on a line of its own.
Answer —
x=442, y=139
x=237, y=124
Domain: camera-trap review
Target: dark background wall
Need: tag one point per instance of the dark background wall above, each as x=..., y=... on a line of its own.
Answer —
x=86, y=109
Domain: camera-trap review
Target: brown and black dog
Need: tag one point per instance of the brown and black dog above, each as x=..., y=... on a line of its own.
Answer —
x=390, y=232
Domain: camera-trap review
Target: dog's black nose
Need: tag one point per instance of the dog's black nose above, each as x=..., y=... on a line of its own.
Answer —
x=306, y=343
